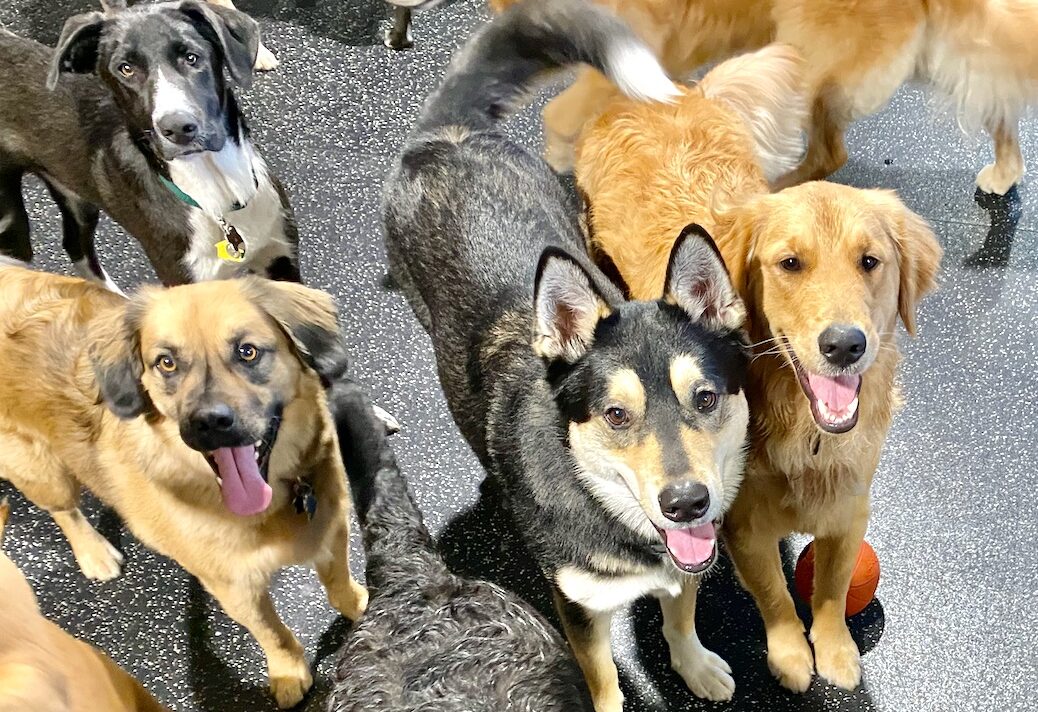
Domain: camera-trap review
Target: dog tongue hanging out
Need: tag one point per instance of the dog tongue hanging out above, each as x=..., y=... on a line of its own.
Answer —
x=244, y=490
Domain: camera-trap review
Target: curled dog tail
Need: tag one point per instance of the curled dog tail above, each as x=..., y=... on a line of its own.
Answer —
x=398, y=546
x=490, y=74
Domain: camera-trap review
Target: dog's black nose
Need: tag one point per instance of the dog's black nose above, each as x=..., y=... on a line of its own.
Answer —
x=212, y=420
x=842, y=345
x=179, y=127
x=684, y=501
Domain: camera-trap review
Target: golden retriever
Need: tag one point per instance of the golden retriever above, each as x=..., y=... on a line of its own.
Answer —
x=979, y=53
x=198, y=414
x=825, y=270
x=44, y=669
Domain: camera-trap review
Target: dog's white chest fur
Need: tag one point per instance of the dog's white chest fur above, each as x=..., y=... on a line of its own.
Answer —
x=605, y=594
x=217, y=181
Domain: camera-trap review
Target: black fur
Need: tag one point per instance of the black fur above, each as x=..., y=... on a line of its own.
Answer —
x=430, y=639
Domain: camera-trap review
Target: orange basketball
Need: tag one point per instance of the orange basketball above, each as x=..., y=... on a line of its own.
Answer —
x=864, y=580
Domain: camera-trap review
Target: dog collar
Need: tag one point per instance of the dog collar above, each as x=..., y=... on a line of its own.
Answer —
x=232, y=247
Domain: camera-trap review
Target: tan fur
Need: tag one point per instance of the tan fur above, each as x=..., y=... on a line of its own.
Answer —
x=649, y=170
x=56, y=435
x=44, y=669
x=978, y=53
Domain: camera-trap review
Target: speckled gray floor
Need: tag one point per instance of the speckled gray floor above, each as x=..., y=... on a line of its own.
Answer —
x=955, y=520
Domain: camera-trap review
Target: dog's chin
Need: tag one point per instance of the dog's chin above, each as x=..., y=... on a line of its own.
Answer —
x=170, y=151
x=844, y=388
x=692, y=550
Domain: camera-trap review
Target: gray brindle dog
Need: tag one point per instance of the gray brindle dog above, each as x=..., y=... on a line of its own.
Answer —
x=132, y=114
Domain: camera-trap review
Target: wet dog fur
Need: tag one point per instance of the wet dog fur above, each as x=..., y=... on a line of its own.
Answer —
x=616, y=427
x=105, y=392
x=814, y=264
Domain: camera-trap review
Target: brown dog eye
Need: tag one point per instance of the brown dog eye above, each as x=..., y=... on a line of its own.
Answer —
x=869, y=263
x=126, y=70
x=706, y=401
x=617, y=417
x=247, y=352
x=191, y=58
x=166, y=364
x=790, y=264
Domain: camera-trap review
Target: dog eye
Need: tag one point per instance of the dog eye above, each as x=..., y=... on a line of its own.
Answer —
x=617, y=417
x=790, y=264
x=869, y=263
x=125, y=69
x=248, y=352
x=191, y=58
x=706, y=401
x=166, y=364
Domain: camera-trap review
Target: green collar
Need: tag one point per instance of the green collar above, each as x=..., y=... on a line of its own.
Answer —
x=180, y=195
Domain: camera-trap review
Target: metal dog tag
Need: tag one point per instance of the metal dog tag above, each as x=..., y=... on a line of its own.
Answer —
x=232, y=247
x=304, y=499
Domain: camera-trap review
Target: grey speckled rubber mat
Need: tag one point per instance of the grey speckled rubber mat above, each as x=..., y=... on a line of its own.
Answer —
x=956, y=496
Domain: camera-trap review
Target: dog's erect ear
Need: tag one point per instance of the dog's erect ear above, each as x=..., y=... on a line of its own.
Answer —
x=115, y=354
x=235, y=33
x=309, y=318
x=77, y=47
x=919, y=253
x=766, y=90
x=698, y=282
x=567, y=307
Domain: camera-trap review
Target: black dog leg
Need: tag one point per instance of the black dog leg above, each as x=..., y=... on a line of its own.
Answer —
x=14, y=221
x=399, y=36
x=78, y=225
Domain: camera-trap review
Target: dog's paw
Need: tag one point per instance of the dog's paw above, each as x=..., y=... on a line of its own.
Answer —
x=705, y=672
x=790, y=659
x=351, y=599
x=98, y=559
x=290, y=684
x=265, y=60
x=837, y=658
x=559, y=155
x=391, y=423
x=609, y=701
x=397, y=41
x=997, y=179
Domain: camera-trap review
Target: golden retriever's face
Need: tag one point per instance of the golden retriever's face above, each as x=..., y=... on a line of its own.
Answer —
x=831, y=267
x=222, y=360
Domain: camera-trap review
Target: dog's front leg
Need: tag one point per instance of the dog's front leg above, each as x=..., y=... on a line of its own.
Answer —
x=836, y=654
x=757, y=561
x=1008, y=168
x=590, y=637
x=705, y=672
x=250, y=605
x=344, y=592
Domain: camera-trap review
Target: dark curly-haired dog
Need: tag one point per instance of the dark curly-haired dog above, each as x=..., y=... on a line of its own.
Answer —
x=430, y=640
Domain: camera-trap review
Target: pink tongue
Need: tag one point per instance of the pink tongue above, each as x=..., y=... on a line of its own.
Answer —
x=691, y=547
x=837, y=393
x=244, y=491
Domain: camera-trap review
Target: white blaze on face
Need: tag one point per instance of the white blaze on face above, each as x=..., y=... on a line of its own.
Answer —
x=168, y=98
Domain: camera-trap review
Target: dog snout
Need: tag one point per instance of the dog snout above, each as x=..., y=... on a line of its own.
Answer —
x=178, y=127
x=842, y=345
x=212, y=426
x=684, y=501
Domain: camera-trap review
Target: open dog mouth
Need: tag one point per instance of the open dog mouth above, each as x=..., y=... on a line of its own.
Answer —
x=833, y=399
x=692, y=549
x=242, y=472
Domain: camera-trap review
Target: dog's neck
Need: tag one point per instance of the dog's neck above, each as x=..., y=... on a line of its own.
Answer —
x=220, y=181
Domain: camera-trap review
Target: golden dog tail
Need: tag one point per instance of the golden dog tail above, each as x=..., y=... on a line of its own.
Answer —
x=491, y=73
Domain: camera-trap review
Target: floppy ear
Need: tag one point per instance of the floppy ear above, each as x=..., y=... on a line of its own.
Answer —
x=309, y=318
x=919, y=254
x=77, y=46
x=567, y=307
x=115, y=354
x=698, y=282
x=766, y=90
x=234, y=33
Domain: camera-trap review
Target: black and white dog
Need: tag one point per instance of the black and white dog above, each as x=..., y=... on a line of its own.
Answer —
x=617, y=428
x=430, y=639
x=132, y=114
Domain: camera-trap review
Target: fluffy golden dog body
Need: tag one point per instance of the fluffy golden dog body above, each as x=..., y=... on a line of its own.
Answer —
x=979, y=53
x=804, y=259
x=44, y=669
x=62, y=340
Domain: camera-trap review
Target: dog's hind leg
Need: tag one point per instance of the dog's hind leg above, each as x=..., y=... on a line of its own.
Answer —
x=79, y=224
x=826, y=151
x=249, y=604
x=14, y=221
x=566, y=115
x=1008, y=168
x=265, y=59
x=45, y=481
x=399, y=35
x=589, y=635
x=705, y=672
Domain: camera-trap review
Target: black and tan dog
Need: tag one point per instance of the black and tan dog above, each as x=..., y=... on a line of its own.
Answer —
x=618, y=428
x=198, y=414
